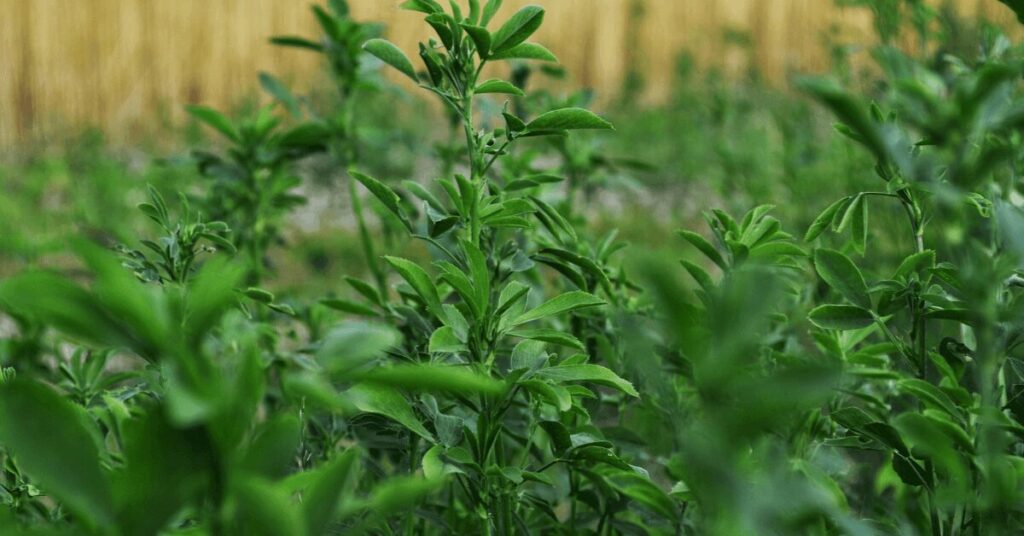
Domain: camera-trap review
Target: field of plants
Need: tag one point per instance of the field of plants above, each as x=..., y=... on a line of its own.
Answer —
x=438, y=294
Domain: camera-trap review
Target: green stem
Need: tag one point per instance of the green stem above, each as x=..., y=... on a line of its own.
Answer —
x=920, y=344
x=366, y=241
x=476, y=172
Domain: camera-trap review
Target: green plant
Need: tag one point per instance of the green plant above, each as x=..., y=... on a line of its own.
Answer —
x=741, y=397
x=178, y=445
x=931, y=347
x=341, y=45
x=177, y=251
x=506, y=375
x=253, y=184
x=505, y=454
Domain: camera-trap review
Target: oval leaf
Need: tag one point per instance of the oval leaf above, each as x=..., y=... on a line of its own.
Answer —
x=842, y=275
x=526, y=51
x=568, y=119
x=569, y=301
x=499, y=86
x=390, y=54
x=588, y=373
x=841, y=317
x=48, y=437
x=518, y=28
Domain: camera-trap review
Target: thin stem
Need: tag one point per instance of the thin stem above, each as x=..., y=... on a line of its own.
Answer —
x=475, y=166
x=494, y=158
x=366, y=241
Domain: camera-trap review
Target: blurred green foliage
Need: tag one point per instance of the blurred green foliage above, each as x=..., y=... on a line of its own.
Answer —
x=501, y=318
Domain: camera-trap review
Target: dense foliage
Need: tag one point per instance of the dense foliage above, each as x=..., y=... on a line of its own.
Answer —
x=496, y=365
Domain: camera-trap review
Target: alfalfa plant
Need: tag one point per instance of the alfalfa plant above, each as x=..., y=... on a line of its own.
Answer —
x=252, y=183
x=173, y=257
x=931, y=339
x=733, y=392
x=341, y=46
x=189, y=437
x=513, y=457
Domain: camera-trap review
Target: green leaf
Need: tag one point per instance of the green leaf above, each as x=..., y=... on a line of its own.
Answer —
x=478, y=270
x=441, y=23
x=527, y=355
x=499, y=86
x=598, y=454
x=366, y=289
x=259, y=295
x=385, y=195
x=419, y=191
x=531, y=181
x=513, y=123
x=824, y=219
x=560, y=438
x=855, y=218
x=283, y=308
x=352, y=344
x=550, y=336
x=643, y=491
x=563, y=303
x=387, y=401
x=490, y=10
x=271, y=451
x=305, y=138
x=851, y=418
x=49, y=439
x=433, y=378
x=481, y=38
x=423, y=6
x=705, y=247
x=297, y=42
x=526, y=51
x=699, y=275
x=915, y=263
x=433, y=465
x=553, y=220
x=399, y=494
x=859, y=227
x=420, y=282
x=518, y=28
x=221, y=242
x=330, y=25
x=444, y=340
x=278, y=90
x=348, y=307
x=848, y=213
x=64, y=305
x=588, y=373
x=216, y=120
x=568, y=119
x=841, y=317
x=909, y=471
x=850, y=112
x=842, y=275
x=262, y=509
x=555, y=395
x=930, y=395
x=321, y=500
x=390, y=54
x=162, y=466
x=318, y=392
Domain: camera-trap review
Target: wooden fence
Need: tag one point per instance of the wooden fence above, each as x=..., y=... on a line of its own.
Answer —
x=129, y=66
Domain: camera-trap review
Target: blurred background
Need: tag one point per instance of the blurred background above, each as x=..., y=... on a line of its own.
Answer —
x=92, y=97
x=129, y=66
